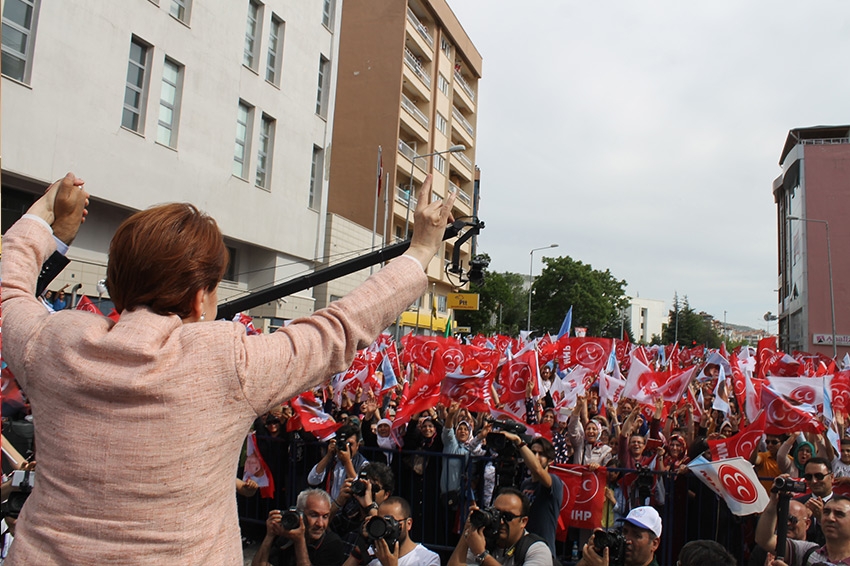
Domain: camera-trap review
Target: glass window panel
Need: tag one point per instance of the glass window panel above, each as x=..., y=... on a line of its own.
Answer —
x=132, y=98
x=18, y=12
x=170, y=72
x=14, y=39
x=130, y=120
x=137, y=53
x=163, y=135
x=135, y=75
x=166, y=114
x=13, y=66
x=169, y=93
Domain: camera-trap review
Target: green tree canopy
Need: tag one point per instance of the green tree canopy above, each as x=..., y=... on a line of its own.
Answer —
x=688, y=327
x=597, y=298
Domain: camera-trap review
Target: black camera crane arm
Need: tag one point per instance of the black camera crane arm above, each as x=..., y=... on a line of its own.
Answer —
x=229, y=309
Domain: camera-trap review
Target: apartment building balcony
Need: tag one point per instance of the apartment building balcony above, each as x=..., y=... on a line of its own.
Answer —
x=415, y=65
x=463, y=128
x=414, y=111
x=462, y=196
x=418, y=33
x=464, y=91
x=407, y=159
x=462, y=165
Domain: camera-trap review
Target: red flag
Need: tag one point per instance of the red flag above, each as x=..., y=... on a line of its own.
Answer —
x=584, y=497
x=840, y=390
x=589, y=352
x=469, y=384
x=782, y=416
x=256, y=468
x=248, y=323
x=312, y=417
x=767, y=348
x=422, y=394
x=741, y=444
x=85, y=304
x=516, y=373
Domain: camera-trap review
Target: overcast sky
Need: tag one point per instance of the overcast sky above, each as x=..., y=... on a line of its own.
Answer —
x=643, y=137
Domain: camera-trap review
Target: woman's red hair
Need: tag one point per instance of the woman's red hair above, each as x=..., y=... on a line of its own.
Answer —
x=161, y=257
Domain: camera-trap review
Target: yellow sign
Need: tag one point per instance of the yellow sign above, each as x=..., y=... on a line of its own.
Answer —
x=463, y=301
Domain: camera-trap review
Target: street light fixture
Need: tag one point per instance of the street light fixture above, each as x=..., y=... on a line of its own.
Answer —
x=829, y=264
x=452, y=149
x=531, y=281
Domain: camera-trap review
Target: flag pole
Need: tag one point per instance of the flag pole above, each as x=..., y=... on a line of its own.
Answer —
x=377, y=196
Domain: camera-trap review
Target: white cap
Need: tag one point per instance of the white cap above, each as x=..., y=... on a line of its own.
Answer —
x=645, y=518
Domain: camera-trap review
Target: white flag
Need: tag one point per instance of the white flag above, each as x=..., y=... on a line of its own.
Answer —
x=735, y=480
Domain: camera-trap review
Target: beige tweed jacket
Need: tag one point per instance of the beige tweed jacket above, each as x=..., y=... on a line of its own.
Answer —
x=140, y=423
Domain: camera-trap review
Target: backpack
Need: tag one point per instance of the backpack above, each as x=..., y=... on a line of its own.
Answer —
x=523, y=545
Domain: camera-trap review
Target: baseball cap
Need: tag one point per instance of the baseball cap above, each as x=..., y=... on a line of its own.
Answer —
x=645, y=518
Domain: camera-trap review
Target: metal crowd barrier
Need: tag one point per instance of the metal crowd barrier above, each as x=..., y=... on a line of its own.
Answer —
x=691, y=511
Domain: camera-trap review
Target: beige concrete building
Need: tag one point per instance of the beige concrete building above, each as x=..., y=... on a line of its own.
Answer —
x=408, y=82
x=227, y=104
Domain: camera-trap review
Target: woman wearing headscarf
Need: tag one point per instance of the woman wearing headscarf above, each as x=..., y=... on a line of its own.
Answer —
x=140, y=422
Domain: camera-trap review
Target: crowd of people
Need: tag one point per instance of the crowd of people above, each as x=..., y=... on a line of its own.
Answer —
x=505, y=469
x=459, y=470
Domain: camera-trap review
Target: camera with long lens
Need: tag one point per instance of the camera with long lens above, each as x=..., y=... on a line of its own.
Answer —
x=490, y=519
x=358, y=486
x=386, y=528
x=291, y=519
x=644, y=482
x=615, y=542
x=22, y=483
x=787, y=485
x=497, y=441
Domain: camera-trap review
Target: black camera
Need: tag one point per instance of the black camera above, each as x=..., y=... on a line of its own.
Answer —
x=490, y=519
x=615, y=542
x=358, y=486
x=342, y=442
x=386, y=528
x=22, y=484
x=788, y=485
x=497, y=441
x=291, y=519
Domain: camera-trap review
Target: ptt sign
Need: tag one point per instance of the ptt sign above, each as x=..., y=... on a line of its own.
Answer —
x=463, y=301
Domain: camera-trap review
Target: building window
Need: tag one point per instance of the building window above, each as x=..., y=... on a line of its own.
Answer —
x=443, y=84
x=440, y=164
x=252, y=34
x=180, y=10
x=328, y=13
x=169, y=103
x=446, y=47
x=275, y=55
x=243, y=135
x=322, y=91
x=442, y=303
x=315, y=178
x=19, y=18
x=230, y=273
x=442, y=124
x=264, y=152
x=136, y=90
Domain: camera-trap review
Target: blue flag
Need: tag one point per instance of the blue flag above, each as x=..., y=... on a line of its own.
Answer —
x=567, y=324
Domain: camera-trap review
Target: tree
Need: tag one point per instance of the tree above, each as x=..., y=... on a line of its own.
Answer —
x=688, y=327
x=501, y=305
x=597, y=298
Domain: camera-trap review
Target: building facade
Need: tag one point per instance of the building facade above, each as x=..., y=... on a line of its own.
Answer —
x=227, y=104
x=812, y=206
x=646, y=318
x=408, y=83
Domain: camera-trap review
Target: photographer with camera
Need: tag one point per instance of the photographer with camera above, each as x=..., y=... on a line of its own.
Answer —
x=497, y=535
x=300, y=536
x=342, y=458
x=836, y=529
x=359, y=500
x=635, y=546
x=386, y=539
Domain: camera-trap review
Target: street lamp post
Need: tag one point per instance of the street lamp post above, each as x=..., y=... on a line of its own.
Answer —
x=531, y=281
x=829, y=266
x=452, y=149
